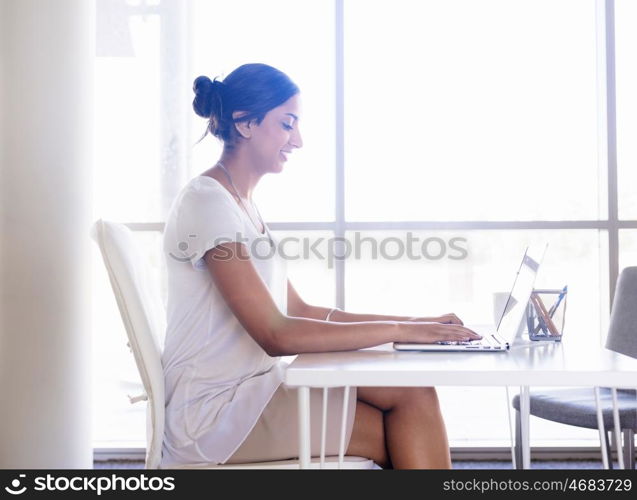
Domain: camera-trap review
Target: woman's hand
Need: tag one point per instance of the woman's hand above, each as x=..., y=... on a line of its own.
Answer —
x=431, y=332
x=450, y=318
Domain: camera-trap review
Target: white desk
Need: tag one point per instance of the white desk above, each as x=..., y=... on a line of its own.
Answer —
x=526, y=364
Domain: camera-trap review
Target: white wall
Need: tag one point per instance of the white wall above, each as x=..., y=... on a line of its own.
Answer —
x=47, y=50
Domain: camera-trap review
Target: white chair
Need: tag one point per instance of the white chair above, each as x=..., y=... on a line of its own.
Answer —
x=143, y=314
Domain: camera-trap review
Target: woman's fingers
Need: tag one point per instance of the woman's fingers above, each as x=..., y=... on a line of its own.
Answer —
x=458, y=332
x=451, y=318
x=429, y=332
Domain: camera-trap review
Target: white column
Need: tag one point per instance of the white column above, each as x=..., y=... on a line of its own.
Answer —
x=46, y=54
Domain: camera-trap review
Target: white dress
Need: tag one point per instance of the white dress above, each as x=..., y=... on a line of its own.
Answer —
x=218, y=379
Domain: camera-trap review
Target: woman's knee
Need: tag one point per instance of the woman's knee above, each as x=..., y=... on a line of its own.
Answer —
x=423, y=396
x=389, y=398
x=429, y=394
x=422, y=399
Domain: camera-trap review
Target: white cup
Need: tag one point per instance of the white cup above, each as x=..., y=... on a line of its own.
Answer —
x=499, y=302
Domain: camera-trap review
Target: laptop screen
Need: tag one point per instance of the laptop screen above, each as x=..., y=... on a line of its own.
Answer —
x=514, y=310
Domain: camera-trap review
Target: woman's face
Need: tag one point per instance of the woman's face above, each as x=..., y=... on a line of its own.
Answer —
x=274, y=139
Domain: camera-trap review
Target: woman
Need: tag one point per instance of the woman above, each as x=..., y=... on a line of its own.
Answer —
x=232, y=313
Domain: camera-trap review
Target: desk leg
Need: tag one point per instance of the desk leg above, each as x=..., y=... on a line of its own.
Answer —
x=304, y=428
x=525, y=417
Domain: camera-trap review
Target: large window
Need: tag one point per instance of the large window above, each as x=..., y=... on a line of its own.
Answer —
x=473, y=110
x=484, y=126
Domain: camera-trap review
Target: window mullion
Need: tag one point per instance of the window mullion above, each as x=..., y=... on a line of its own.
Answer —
x=339, y=195
x=607, y=126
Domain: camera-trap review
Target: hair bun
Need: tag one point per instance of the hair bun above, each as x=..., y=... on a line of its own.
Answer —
x=204, y=89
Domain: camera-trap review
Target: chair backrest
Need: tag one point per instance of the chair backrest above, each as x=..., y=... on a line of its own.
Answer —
x=144, y=318
x=622, y=330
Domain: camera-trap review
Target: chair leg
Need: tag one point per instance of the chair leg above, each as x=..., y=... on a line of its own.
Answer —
x=518, y=440
x=603, y=436
x=629, y=448
x=609, y=449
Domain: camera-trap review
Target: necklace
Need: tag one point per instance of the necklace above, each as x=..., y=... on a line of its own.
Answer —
x=236, y=191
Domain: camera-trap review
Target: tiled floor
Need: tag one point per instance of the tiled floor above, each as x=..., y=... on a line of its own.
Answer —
x=536, y=464
x=460, y=464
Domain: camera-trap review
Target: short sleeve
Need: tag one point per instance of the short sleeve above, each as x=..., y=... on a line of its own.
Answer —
x=206, y=217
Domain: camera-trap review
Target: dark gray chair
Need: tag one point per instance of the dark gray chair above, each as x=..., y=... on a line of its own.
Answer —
x=577, y=406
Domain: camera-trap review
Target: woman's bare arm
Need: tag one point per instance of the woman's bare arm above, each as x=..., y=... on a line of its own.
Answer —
x=280, y=334
x=298, y=307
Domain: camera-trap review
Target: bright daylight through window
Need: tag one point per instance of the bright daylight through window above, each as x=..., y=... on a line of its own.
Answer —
x=471, y=125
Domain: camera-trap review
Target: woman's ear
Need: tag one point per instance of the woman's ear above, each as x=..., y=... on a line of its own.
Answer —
x=244, y=128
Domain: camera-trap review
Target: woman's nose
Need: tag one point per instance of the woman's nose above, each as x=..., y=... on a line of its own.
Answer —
x=296, y=140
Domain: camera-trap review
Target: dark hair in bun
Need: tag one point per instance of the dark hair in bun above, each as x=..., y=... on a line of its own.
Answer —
x=204, y=90
x=252, y=88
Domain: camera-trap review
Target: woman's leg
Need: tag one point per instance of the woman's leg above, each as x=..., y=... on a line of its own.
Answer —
x=368, y=435
x=413, y=430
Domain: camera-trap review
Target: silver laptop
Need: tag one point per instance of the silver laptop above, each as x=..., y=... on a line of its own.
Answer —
x=496, y=338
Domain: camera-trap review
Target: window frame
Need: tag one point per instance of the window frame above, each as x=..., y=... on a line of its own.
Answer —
x=175, y=34
x=607, y=159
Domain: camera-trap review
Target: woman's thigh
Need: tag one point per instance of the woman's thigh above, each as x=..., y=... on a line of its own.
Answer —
x=276, y=436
